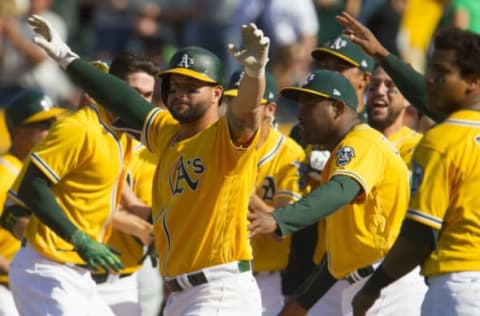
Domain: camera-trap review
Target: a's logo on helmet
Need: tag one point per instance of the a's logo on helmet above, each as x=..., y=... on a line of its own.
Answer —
x=344, y=155
x=338, y=43
x=186, y=61
x=309, y=79
x=46, y=103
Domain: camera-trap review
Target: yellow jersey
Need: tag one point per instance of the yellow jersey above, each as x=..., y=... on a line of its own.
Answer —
x=278, y=177
x=405, y=140
x=445, y=182
x=201, y=190
x=10, y=167
x=83, y=158
x=140, y=177
x=363, y=231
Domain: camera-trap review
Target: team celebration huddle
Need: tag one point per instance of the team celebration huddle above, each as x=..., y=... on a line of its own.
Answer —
x=367, y=207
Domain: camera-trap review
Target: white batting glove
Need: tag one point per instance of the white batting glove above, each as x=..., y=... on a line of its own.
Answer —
x=50, y=41
x=318, y=160
x=253, y=53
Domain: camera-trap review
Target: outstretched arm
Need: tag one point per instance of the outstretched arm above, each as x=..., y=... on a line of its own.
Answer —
x=109, y=91
x=244, y=116
x=35, y=191
x=323, y=201
x=410, y=82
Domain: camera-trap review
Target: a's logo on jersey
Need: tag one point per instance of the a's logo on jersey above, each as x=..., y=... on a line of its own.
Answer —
x=417, y=177
x=338, y=43
x=344, y=155
x=268, y=189
x=186, y=174
x=186, y=61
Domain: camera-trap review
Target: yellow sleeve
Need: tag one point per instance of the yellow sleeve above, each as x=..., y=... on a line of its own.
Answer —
x=429, y=179
x=64, y=149
x=288, y=177
x=355, y=158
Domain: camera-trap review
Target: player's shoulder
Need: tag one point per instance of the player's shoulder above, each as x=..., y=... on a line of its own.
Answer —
x=9, y=165
x=453, y=131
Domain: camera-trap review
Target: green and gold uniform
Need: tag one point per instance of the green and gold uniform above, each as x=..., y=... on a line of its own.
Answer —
x=445, y=166
x=278, y=177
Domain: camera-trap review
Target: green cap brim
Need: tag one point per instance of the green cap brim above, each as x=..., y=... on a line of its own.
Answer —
x=319, y=50
x=234, y=93
x=293, y=93
x=44, y=115
x=188, y=73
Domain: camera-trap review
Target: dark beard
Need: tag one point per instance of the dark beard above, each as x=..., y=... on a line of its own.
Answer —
x=189, y=116
x=384, y=123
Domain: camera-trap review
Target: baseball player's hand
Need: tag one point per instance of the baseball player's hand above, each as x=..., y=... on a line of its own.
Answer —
x=253, y=52
x=261, y=222
x=47, y=38
x=96, y=255
x=362, y=302
x=292, y=308
x=362, y=36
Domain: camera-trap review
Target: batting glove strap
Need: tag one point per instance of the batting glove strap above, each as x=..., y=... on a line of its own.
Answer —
x=48, y=38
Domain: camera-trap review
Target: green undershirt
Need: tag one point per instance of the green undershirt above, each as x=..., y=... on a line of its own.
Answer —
x=35, y=191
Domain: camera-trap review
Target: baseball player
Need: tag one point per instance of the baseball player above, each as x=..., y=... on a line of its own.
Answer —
x=28, y=116
x=410, y=82
x=209, y=165
x=119, y=290
x=343, y=56
x=72, y=183
x=441, y=228
x=386, y=108
x=362, y=208
x=277, y=185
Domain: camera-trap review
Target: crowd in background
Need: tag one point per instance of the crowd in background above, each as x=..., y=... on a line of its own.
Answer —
x=102, y=29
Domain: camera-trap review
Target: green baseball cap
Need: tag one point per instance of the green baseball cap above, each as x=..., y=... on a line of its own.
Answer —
x=31, y=106
x=327, y=84
x=196, y=62
x=343, y=48
x=270, y=94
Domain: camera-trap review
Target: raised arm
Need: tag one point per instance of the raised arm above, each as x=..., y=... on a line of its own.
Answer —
x=111, y=92
x=410, y=82
x=243, y=115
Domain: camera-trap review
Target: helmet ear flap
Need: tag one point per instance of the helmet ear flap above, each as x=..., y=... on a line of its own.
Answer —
x=165, y=86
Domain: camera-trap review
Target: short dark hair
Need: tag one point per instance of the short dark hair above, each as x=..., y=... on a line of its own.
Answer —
x=128, y=63
x=466, y=46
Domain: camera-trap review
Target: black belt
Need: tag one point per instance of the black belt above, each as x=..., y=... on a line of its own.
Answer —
x=360, y=274
x=102, y=278
x=199, y=278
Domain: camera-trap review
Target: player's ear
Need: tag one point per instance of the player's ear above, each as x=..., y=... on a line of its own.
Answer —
x=338, y=107
x=217, y=92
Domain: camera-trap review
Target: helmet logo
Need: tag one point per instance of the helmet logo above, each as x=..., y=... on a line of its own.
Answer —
x=338, y=43
x=46, y=103
x=309, y=79
x=186, y=61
